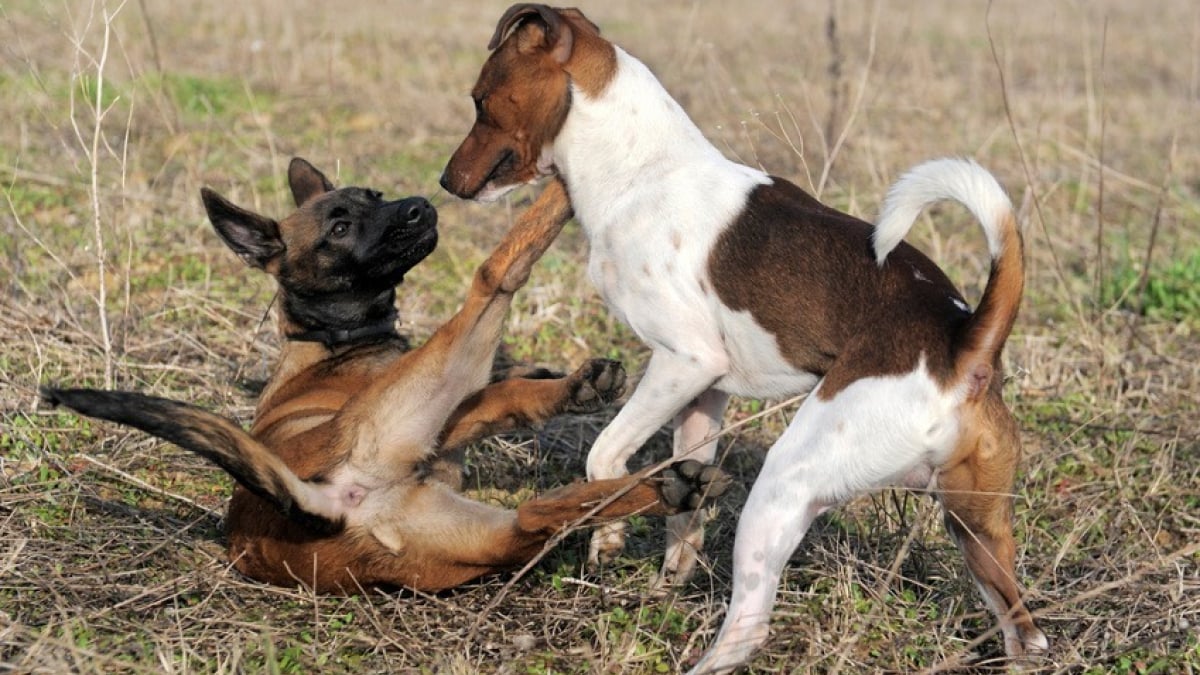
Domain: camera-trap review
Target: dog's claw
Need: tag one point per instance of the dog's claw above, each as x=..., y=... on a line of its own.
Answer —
x=688, y=483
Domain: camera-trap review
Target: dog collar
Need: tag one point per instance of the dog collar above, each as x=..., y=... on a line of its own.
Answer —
x=347, y=336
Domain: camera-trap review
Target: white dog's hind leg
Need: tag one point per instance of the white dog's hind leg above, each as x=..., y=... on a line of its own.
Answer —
x=773, y=523
x=831, y=450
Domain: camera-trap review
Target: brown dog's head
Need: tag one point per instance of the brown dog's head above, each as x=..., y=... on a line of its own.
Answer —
x=339, y=256
x=522, y=98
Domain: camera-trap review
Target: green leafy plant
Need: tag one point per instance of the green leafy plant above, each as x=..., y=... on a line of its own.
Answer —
x=1171, y=292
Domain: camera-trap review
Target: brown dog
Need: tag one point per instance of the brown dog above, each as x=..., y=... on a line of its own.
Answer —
x=349, y=477
x=743, y=284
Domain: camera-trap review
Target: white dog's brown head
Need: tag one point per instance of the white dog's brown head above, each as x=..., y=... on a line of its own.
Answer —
x=540, y=55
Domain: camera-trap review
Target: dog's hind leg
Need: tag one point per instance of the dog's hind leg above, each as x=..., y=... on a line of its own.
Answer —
x=696, y=430
x=832, y=450
x=460, y=539
x=518, y=402
x=782, y=505
x=976, y=494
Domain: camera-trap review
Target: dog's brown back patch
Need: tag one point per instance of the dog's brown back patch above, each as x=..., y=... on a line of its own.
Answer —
x=785, y=236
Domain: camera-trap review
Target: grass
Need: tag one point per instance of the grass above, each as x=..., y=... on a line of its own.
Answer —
x=111, y=557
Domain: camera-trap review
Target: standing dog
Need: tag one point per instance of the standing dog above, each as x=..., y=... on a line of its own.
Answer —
x=743, y=284
x=348, y=478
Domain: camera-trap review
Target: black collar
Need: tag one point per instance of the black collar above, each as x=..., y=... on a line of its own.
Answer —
x=348, y=336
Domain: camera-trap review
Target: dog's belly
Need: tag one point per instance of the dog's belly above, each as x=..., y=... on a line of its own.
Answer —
x=757, y=369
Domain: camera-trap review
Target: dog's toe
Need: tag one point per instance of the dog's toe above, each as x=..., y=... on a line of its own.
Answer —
x=714, y=480
x=688, y=483
x=676, y=488
x=596, y=384
x=608, y=377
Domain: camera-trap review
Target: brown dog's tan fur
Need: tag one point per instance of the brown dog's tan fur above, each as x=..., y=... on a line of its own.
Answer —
x=367, y=493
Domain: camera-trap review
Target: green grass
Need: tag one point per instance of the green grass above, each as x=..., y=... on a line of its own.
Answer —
x=1170, y=292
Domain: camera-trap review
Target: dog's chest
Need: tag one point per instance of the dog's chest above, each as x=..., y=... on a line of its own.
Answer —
x=641, y=275
x=655, y=278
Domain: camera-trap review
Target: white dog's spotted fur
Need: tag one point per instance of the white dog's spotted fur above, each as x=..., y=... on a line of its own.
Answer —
x=742, y=284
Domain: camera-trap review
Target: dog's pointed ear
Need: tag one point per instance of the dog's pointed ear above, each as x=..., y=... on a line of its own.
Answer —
x=547, y=30
x=254, y=238
x=306, y=181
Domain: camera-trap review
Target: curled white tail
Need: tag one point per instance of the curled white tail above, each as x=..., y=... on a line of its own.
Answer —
x=960, y=180
x=982, y=336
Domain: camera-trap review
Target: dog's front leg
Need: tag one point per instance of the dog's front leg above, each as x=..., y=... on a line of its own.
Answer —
x=409, y=405
x=672, y=379
x=696, y=430
x=518, y=402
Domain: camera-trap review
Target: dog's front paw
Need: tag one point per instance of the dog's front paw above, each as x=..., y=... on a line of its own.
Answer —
x=596, y=384
x=686, y=484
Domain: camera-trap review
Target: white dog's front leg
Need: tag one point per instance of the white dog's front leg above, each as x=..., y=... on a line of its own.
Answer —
x=672, y=380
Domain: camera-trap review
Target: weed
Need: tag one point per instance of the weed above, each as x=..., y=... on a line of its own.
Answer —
x=1171, y=292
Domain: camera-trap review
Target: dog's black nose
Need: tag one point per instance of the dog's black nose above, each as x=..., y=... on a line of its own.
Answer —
x=416, y=209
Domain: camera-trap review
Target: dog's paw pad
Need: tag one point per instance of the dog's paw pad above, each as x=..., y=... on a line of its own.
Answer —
x=596, y=384
x=688, y=483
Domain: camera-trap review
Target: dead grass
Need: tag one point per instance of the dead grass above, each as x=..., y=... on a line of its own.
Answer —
x=110, y=553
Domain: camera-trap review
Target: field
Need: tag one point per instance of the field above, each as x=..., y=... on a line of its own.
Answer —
x=111, y=553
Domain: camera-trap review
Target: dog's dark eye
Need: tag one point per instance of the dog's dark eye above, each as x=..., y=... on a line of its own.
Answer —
x=340, y=228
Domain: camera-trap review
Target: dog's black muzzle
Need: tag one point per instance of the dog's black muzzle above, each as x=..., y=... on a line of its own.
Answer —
x=407, y=233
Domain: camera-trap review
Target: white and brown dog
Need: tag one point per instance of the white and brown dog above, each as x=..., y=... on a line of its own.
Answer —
x=743, y=284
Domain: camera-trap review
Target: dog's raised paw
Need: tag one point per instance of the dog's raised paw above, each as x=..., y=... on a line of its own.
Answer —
x=688, y=483
x=594, y=385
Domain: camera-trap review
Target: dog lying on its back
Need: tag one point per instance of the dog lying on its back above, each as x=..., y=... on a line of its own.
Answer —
x=349, y=477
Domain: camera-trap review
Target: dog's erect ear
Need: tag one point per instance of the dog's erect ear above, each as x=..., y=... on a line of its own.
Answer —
x=253, y=237
x=553, y=34
x=306, y=182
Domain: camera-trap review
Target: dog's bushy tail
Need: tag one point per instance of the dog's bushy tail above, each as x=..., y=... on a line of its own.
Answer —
x=213, y=437
x=964, y=181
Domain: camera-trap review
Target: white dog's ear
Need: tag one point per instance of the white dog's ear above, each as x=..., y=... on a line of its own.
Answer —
x=578, y=19
x=539, y=27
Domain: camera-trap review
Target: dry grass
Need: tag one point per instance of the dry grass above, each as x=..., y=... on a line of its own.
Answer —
x=110, y=554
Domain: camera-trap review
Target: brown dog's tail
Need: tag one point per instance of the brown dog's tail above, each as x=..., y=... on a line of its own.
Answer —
x=982, y=336
x=213, y=437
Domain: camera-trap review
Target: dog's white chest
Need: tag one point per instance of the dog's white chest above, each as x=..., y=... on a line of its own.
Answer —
x=648, y=281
